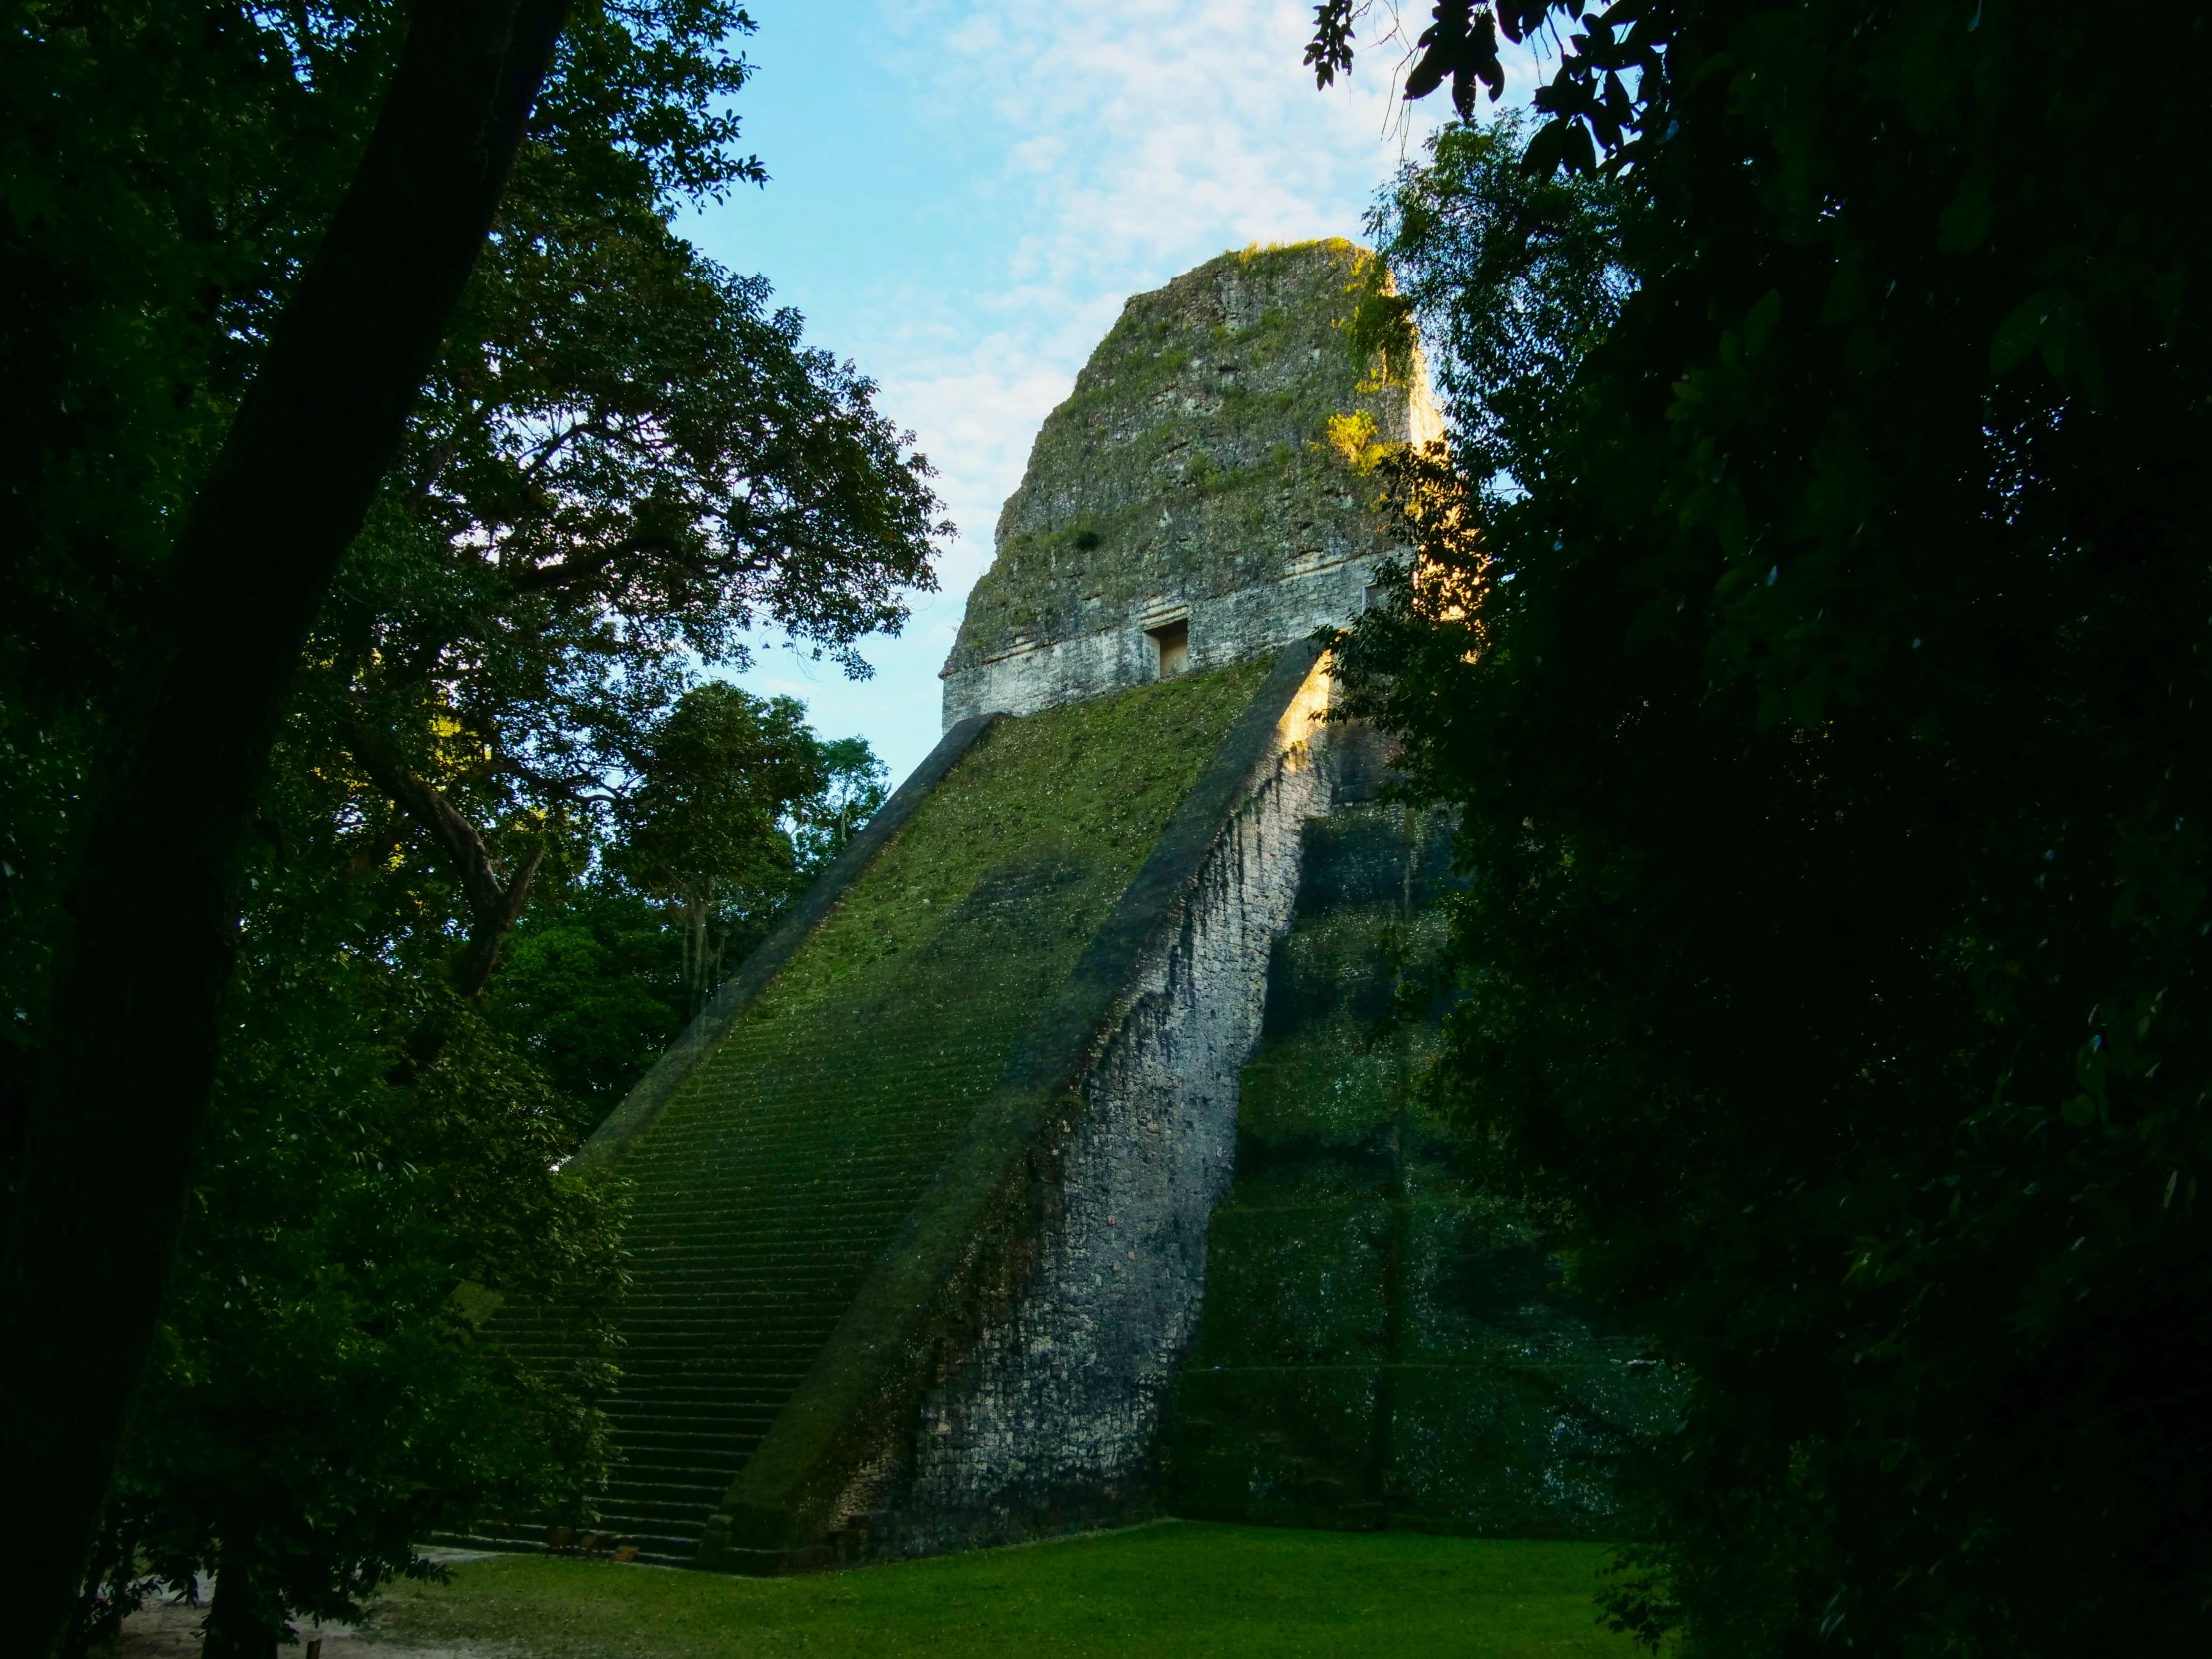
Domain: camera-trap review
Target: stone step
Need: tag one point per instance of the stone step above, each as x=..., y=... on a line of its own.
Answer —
x=741, y=1434
x=760, y=1331
x=654, y=1548
x=687, y=1405
x=639, y=1514
x=649, y=1444
x=774, y=1290
x=760, y=1311
x=737, y=1224
x=683, y=1463
x=731, y=1371
x=633, y=1496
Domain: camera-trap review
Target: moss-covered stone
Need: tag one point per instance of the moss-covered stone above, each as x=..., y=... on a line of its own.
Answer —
x=1193, y=463
x=1384, y=1340
x=783, y=1167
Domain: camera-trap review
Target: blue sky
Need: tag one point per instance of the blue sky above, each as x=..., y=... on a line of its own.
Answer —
x=963, y=193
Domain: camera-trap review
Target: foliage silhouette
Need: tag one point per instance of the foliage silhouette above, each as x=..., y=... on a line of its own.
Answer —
x=1821, y=708
x=240, y=244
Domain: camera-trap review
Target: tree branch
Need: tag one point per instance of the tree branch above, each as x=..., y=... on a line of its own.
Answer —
x=579, y=567
x=494, y=906
x=539, y=454
x=374, y=850
x=481, y=954
x=588, y=563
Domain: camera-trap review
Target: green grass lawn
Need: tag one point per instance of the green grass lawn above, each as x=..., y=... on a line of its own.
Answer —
x=1182, y=1589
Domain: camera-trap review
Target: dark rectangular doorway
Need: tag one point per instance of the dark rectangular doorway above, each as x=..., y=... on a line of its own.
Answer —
x=1172, y=642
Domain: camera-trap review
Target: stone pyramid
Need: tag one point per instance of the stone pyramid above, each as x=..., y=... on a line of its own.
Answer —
x=923, y=1200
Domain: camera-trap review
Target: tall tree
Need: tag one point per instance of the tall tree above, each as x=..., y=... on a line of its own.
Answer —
x=108, y=1125
x=383, y=1170
x=704, y=830
x=624, y=460
x=379, y=1175
x=1820, y=707
x=854, y=784
x=602, y=976
x=625, y=463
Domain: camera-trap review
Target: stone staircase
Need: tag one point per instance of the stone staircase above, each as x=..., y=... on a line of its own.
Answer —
x=755, y=1221
x=783, y=1171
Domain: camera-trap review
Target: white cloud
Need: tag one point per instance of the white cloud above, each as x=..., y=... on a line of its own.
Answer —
x=1138, y=139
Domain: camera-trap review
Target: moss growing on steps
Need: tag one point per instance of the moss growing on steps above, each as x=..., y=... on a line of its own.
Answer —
x=1072, y=799
x=786, y=1162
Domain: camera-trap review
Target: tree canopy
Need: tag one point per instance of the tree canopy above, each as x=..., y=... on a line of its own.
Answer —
x=1816, y=690
x=622, y=464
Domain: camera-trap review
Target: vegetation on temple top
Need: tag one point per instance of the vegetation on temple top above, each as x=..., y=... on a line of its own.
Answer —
x=1192, y=459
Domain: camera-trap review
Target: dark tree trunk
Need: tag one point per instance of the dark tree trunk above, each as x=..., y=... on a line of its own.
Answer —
x=240, y=1623
x=122, y=1081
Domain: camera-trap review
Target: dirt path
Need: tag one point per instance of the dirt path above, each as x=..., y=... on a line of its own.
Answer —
x=171, y=1630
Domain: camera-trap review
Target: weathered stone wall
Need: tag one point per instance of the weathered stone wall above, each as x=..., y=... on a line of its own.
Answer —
x=1053, y=1417
x=1385, y=1340
x=1188, y=478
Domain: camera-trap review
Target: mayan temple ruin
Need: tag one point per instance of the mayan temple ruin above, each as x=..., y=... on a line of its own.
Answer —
x=1050, y=1167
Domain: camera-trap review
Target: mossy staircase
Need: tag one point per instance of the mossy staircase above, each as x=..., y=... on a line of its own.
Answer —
x=778, y=1154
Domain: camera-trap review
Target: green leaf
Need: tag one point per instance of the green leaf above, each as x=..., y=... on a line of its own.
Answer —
x=2020, y=332
x=1759, y=327
x=1966, y=220
x=1547, y=148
